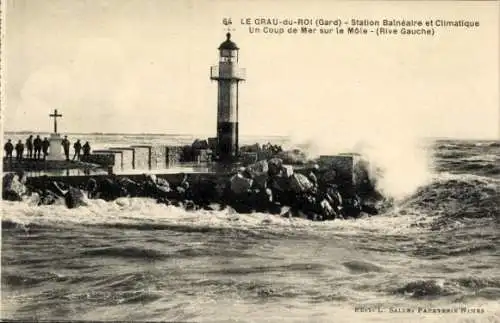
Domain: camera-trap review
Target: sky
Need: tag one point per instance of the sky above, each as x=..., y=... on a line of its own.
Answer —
x=143, y=67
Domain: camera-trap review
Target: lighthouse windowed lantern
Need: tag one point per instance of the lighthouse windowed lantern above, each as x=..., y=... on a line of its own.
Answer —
x=228, y=75
x=229, y=55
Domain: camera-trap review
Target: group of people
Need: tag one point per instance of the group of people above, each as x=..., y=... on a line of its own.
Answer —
x=77, y=147
x=36, y=146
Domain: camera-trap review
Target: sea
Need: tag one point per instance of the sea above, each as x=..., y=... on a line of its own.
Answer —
x=432, y=257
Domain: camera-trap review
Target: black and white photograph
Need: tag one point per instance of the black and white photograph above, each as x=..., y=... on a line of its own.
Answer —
x=250, y=161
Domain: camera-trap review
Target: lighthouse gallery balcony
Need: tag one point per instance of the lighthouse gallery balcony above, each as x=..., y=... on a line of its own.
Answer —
x=227, y=72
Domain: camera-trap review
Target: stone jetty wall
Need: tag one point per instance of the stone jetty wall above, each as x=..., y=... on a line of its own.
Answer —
x=348, y=169
x=174, y=179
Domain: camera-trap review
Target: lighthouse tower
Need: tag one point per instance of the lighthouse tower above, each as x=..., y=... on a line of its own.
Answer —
x=228, y=75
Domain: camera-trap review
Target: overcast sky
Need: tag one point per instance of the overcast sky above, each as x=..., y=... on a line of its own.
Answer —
x=143, y=66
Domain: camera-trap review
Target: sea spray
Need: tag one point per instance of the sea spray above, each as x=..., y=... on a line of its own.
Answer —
x=404, y=164
x=400, y=162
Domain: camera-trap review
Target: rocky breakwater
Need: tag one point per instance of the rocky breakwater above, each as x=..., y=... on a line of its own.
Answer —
x=314, y=192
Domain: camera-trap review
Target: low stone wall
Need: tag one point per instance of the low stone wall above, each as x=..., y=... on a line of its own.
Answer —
x=143, y=157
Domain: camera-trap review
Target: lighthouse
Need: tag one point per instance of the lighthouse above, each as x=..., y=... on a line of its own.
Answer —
x=228, y=76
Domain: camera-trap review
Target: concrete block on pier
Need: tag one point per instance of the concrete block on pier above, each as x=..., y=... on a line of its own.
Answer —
x=117, y=158
x=142, y=157
x=174, y=155
x=350, y=169
x=158, y=157
x=128, y=157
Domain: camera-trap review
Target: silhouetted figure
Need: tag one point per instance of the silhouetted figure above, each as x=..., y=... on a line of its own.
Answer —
x=65, y=143
x=45, y=147
x=29, y=147
x=37, y=144
x=9, y=148
x=77, y=147
x=86, y=149
x=19, y=150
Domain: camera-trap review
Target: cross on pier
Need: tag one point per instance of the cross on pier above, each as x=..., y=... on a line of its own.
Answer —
x=55, y=115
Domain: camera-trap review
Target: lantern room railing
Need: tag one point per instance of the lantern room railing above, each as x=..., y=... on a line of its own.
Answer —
x=227, y=72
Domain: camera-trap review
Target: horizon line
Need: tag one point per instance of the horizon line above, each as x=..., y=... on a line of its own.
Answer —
x=130, y=133
x=207, y=136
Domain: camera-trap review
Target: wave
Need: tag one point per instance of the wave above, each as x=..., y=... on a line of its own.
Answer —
x=126, y=252
x=432, y=288
x=447, y=199
x=459, y=196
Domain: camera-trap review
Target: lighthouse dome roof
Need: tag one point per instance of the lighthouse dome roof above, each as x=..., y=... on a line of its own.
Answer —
x=228, y=43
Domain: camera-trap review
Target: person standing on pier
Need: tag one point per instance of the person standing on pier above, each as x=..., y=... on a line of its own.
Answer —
x=19, y=150
x=29, y=146
x=86, y=149
x=77, y=146
x=9, y=147
x=45, y=147
x=65, y=143
x=37, y=143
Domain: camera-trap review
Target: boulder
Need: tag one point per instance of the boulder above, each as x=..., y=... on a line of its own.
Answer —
x=163, y=183
x=280, y=183
x=48, y=198
x=260, y=181
x=299, y=183
x=13, y=187
x=327, y=210
x=109, y=190
x=287, y=170
x=74, y=197
x=274, y=165
x=240, y=184
x=259, y=167
x=259, y=171
x=131, y=187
